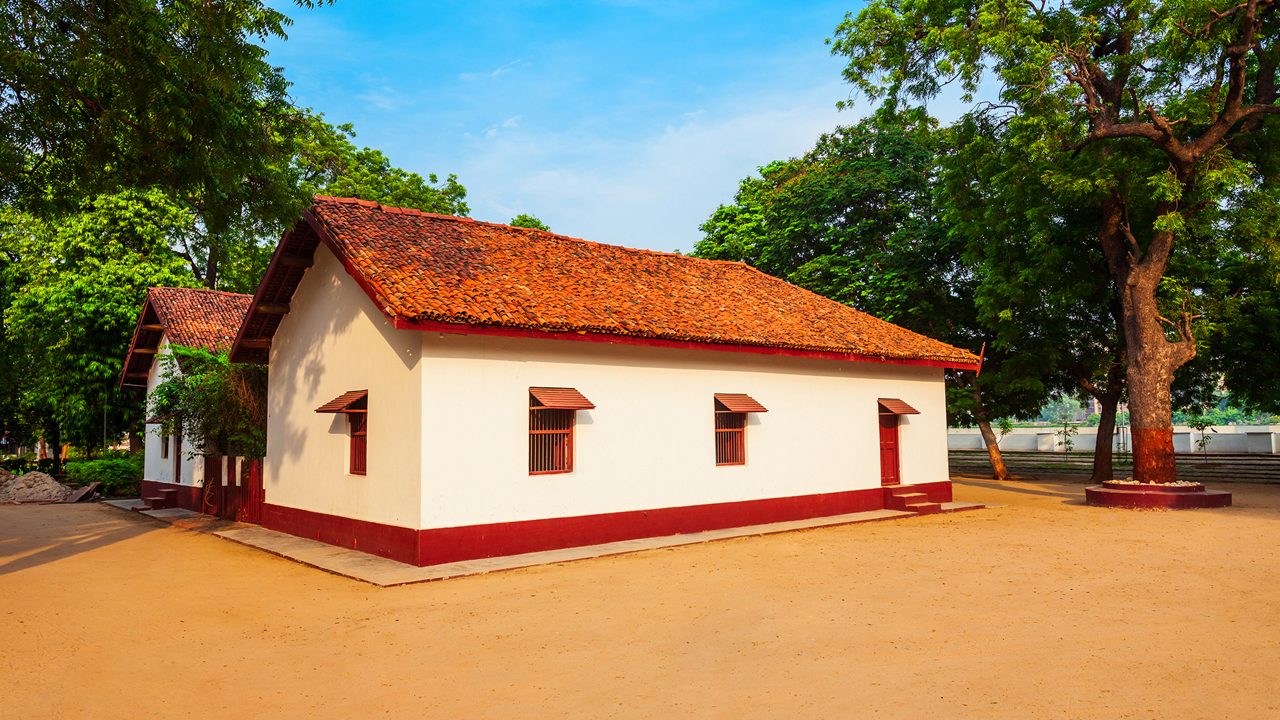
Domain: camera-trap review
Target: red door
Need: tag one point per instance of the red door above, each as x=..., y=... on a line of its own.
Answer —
x=250, y=507
x=211, y=502
x=889, y=474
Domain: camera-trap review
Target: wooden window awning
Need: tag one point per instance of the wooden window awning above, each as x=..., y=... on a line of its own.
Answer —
x=347, y=402
x=561, y=398
x=894, y=406
x=739, y=402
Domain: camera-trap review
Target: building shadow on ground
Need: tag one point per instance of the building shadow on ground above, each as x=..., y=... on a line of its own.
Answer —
x=1077, y=497
x=43, y=537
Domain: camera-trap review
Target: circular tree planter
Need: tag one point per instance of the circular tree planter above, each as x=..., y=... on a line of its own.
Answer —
x=1171, y=497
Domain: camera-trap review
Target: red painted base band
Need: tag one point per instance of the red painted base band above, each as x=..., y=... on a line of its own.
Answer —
x=434, y=546
x=188, y=497
x=389, y=541
x=1156, y=498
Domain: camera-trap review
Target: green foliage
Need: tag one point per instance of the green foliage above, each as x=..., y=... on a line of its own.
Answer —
x=861, y=219
x=219, y=407
x=118, y=475
x=1156, y=116
x=328, y=163
x=1066, y=435
x=526, y=220
x=83, y=280
x=146, y=143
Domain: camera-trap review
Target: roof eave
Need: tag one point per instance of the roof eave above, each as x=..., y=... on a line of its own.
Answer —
x=596, y=337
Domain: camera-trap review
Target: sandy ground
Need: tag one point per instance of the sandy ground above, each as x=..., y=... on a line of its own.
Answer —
x=1044, y=608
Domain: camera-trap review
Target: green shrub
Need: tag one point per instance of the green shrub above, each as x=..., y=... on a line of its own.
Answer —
x=118, y=475
x=17, y=465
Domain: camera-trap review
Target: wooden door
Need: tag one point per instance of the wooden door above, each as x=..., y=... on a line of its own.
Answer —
x=889, y=470
x=250, y=507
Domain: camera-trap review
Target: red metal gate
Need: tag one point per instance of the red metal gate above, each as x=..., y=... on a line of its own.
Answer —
x=889, y=472
x=232, y=488
x=211, y=498
x=249, y=506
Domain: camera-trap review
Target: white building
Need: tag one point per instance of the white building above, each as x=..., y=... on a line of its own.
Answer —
x=445, y=389
x=192, y=317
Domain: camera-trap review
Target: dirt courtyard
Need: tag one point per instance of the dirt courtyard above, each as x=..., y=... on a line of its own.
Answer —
x=1042, y=608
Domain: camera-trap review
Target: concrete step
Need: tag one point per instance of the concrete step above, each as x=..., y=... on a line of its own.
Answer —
x=900, y=500
x=157, y=502
x=925, y=508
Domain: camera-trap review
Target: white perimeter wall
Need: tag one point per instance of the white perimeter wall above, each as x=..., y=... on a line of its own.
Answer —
x=161, y=469
x=649, y=442
x=332, y=341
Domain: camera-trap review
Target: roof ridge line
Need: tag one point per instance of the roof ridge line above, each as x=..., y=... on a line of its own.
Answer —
x=199, y=289
x=393, y=210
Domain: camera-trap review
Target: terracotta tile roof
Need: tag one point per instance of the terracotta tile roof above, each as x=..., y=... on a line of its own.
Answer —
x=194, y=317
x=201, y=318
x=739, y=402
x=421, y=267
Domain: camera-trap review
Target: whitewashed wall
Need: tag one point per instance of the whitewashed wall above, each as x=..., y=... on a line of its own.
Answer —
x=649, y=442
x=332, y=341
x=153, y=466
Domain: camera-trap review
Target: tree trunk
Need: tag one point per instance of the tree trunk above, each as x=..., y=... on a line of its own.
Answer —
x=211, y=267
x=1152, y=361
x=1102, y=459
x=1152, y=358
x=998, y=470
x=55, y=440
x=135, y=441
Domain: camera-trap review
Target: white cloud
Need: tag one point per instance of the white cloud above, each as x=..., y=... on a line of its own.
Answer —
x=650, y=191
x=496, y=72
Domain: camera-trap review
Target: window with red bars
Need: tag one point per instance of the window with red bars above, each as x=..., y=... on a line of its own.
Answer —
x=731, y=436
x=359, y=441
x=550, y=438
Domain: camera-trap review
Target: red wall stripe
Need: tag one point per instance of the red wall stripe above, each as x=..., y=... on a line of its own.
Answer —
x=434, y=546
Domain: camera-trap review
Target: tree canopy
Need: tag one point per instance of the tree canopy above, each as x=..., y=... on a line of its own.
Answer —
x=141, y=144
x=1157, y=114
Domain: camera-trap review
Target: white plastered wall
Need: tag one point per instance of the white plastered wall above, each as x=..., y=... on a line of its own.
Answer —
x=649, y=442
x=334, y=340
x=155, y=467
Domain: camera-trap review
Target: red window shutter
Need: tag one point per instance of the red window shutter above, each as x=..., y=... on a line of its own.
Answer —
x=359, y=442
x=551, y=429
x=731, y=434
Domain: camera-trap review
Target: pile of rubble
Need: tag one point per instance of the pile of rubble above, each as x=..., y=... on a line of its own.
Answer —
x=31, y=487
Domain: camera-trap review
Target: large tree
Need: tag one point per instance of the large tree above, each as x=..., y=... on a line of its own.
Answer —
x=1158, y=112
x=96, y=98
x=75, y=309
x=861, y=219
x=1043, y=287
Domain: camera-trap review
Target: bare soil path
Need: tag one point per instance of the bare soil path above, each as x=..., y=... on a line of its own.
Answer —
x=1043, y=608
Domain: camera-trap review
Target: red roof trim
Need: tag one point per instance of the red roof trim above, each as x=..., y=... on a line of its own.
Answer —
x=459, y=329
x=343, y=402
x=897, y=407
x=559, y=398
x=740, y=403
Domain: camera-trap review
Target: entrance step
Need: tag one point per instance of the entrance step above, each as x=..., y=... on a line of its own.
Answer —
x=925, y=508
x=154, y=502
x=903, y=499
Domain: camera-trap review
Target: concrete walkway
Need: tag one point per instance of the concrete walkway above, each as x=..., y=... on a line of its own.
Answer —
x=384, y=572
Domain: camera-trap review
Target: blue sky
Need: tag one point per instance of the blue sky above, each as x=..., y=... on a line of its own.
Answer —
x=621, y=122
